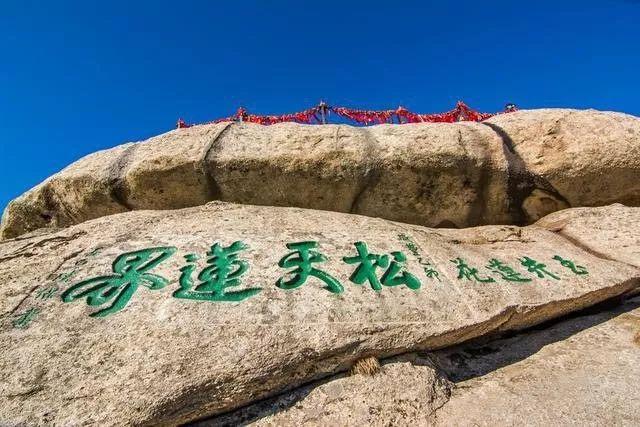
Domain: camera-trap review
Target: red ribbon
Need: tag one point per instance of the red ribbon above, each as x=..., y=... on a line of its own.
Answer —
x=364, y=117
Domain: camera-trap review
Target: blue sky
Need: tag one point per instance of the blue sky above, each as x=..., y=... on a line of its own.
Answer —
x=76, y=77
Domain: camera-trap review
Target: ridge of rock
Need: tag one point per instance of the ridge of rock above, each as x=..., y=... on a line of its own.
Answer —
x=511, y=169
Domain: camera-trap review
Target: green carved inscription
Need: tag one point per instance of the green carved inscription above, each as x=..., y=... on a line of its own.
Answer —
x=220, y=280
x=410, y=244
x=224, y=270
x=429, y=270
x=23, y=320
x=505, y=271
x=367, y=264
x=47, y=292
x=301, y=260
x=131, y=270
x=470, y=273
x=536, y=267
x=577, y=269
x=66, y=276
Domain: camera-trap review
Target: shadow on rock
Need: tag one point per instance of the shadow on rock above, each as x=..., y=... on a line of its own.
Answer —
x=457, y=364
x=482, y=356
x=530, y=196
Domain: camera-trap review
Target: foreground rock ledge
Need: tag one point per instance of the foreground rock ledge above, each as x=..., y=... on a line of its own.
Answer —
x=580, y=371
x=165, y=359
x=511, y=169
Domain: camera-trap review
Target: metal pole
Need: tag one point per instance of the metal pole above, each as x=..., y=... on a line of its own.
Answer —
x=323, y=107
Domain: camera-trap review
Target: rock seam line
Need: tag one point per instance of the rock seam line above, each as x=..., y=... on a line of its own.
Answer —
x=211, y=186
x=372, y=173
x=116, y=176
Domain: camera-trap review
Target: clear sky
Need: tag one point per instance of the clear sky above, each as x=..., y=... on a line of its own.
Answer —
x=80, y=76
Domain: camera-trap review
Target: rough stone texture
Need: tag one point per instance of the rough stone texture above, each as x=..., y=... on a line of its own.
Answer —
x=590, y=158
x=511, y=169
x=580, y=371
x=164, y=360
x=86, y=189
x=407, y=391
x=611, y=231
x=169, y=171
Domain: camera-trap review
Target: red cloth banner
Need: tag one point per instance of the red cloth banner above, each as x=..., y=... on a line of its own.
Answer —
x=401, y=115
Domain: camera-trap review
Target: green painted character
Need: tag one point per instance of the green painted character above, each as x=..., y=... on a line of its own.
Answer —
x=429, y=271
x=47, y=293
x=94, y=252
x=301, y=260
x=469, y=273
x=66, y=277
x=408, y=242
x=577, y=269
x=394, y=275
x=534, y=266
x=223, y=271
x=507, y=273
x=23, y=320
x=131, y=270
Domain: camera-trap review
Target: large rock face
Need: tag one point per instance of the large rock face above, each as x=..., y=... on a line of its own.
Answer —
x=511, y=169
x=581, y=371
x=145, y=298
x=127, y=319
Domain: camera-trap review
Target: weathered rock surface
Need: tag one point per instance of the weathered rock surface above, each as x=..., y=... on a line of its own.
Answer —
x=511, y=169
x=611, y=231
x=407, y=391
x=590, y=158
x=580, y=371
x=162, y=359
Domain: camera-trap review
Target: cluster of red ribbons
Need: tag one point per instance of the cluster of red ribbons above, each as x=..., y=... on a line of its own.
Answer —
x=364, y=117
x=306, y=116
